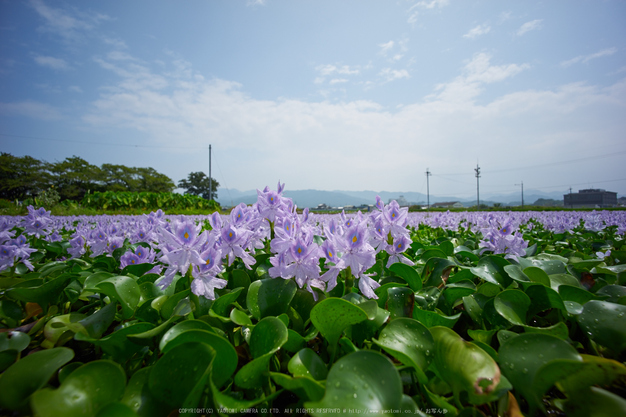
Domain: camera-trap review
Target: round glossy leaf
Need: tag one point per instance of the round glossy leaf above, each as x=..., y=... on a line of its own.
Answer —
x=305, y=388
x=576, y=294
x=240, y=318
x=332, y=315
x=220, y=305
x=226, y=355
x=29, y=374
x=516, y=273
x=525, y=359
x=122, y=288
x=538, y=275
x=614, y=292
x=42, y=294
x=436, y=271
x=138, y=397
x=267, y=336
x=604, y=323
x=408, y=274
x=433, y=318
x=270, y=297
x=365, y=381
x=307, y=363
x=116, y=409
x=463, y=365
x=14, y=340
x=181, y=373
x=595, y=370
x=543, y=298
x=400, y=302
x=512, y=305
x=491, y=269
x=182, y=327
x=595, y=402
x=117, y=344
x=409, y=342
x=83, y=393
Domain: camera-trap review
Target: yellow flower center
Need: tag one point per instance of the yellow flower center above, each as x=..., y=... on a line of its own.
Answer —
x=299, y=250
x=230, y=234
x=354, y=239
x=186, y=235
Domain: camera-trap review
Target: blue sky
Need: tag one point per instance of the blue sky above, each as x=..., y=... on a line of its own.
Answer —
x=328, y=95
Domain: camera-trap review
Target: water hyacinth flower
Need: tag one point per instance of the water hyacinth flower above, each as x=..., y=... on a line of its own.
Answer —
x=180, y=249
x=37, y=222
x=271, y=203
x=399, y=246
x=7, y=256
x=141, y=255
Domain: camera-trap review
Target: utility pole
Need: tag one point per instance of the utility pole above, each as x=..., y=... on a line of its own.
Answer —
x=522, y=184
x=571, y=203
x=428, y=174
x=477, y=169
x=210, y=180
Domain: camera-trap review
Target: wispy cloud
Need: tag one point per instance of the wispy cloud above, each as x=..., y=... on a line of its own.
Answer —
x=394, y=50
x=390, y=74
x=414, y=10
x=529, y=26
x=334, y=70
x=477, y=31
x=69, y=24
x=586, y=58
x=478, y=71
x=51, y=62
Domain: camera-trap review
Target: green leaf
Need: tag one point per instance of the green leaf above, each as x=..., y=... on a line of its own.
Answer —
x=491, y=269
x=409, y=342
x=83, y=393
x=117, y=344
x=332, y=315
x=226, y=355
x=363, y=381
x=594, y=370
x=44, y=294
x=270, y=297
x=121, y=288
x=408, y=274
x=436, y=271
x=14, y=340
x=512, y=305
x=604, y=323
x=433, y=318
x=400, y=302
x=30, y=374
x=139, y=398
x=526, y=362
x=307, y=363
x=220, y=305
x=595, y=402
x=305, y=388
x=464, y=365
x=538, y=275
x=269, y=335
x=181, y=374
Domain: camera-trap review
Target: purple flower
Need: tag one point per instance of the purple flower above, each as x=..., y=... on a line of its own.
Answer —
x=180, y=249
x=395, y=251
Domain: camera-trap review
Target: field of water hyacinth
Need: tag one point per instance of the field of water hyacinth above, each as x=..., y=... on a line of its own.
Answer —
x=271, y=311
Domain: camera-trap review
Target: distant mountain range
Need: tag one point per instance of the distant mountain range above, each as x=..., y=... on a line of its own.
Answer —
x=339, y=198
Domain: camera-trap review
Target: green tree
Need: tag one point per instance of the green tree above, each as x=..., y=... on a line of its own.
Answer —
x=197, y=183
x=22, y=177
x=151, y=180
x=74, y=177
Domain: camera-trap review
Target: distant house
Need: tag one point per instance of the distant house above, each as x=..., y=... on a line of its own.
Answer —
x=447, y=204
x=590, y=198
x=402, y=202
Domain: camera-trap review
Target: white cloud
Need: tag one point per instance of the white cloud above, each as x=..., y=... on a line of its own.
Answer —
x=51, y=62
x=337, y=81
x=291, y=139
x=424, y=4
x=70, y=25
x=31, y=109
x=75, y=89
x=330, y=69
x=586, y=58
x=390, y=74
x=477, y=31
x=386, y=47
x=528, y=26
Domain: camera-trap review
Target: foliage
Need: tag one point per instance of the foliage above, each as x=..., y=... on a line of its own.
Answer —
x=197, y=183
x=462, y=332
x=73, y=178
x=146, y=201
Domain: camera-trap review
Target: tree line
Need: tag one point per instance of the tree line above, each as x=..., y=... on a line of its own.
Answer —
x=23, y=177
